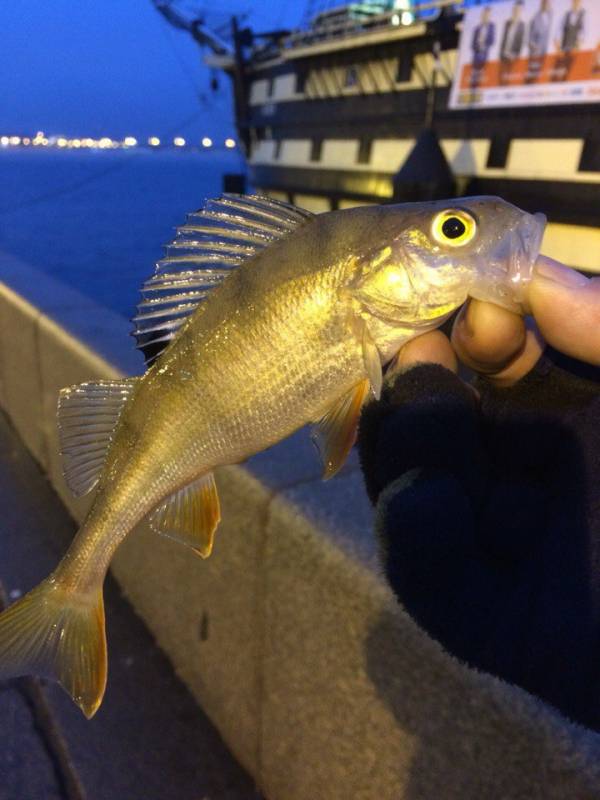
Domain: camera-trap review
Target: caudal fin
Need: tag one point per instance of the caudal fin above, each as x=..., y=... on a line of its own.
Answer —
x=57, y=634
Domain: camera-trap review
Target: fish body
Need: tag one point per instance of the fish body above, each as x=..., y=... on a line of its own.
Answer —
x=297, y=332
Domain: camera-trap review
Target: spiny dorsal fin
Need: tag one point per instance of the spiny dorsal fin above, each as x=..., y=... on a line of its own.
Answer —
x=335, y=433
x=213, y=242
x=191, y=515
x=87, y=417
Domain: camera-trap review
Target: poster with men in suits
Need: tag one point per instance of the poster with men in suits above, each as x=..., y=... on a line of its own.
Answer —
x=528, y=52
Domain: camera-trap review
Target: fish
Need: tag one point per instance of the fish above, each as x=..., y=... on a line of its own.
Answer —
x=260, y=319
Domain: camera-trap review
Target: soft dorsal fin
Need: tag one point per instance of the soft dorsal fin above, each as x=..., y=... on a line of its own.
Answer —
x=213, y=242
x=335, y=433
x=87, y=417
x=191, y=515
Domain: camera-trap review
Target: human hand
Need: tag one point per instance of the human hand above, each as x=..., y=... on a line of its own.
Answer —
x=487, y=512
x=565, y=313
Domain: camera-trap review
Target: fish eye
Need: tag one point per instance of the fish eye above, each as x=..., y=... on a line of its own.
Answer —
x=453, y=227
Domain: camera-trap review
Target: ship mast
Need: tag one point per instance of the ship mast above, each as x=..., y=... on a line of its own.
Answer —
x=196, y=27
x=223, y=56
x=240, y=88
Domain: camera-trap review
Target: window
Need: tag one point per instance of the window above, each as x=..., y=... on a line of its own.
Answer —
x=351, y=78
x=590, y=156
x=316, y=149
x=364, y=151
x=301, y=78
x=404, y=68
x=498, y=153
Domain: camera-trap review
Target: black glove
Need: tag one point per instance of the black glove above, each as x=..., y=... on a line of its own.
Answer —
x=488, y=516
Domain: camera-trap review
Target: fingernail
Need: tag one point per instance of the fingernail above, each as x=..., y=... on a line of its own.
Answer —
x=554, y=271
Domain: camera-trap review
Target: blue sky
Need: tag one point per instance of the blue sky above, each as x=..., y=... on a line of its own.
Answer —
x=110, y=67
x=116, y=68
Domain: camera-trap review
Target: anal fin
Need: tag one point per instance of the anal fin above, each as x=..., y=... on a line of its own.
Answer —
x=191, y=516
x=335, y=433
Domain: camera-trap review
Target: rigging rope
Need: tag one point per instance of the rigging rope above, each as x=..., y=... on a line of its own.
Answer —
x=184, y=66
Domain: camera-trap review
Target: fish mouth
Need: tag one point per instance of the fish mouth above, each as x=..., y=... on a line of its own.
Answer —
x=526, y=243
x=504, y=274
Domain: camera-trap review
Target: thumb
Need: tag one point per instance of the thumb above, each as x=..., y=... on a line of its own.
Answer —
x=566, y=307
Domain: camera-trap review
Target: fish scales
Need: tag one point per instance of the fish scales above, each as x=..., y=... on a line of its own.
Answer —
x=296, y=333
x=289, y=334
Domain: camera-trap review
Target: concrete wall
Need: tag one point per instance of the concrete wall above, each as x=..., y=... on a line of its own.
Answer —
x=290, y=640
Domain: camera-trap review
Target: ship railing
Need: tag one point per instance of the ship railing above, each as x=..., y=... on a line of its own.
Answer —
x=417, y=13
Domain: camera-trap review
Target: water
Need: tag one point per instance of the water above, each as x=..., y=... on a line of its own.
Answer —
x=103, y=237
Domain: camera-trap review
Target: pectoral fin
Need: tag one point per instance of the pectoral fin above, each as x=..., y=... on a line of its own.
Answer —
x=372, y=361
x=370, y=353
x=335, y=433
x=191, y=515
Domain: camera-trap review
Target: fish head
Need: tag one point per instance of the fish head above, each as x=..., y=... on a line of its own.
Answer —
x=441, y=252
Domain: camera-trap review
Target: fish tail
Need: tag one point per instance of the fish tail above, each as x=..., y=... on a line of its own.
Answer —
x=57, y=633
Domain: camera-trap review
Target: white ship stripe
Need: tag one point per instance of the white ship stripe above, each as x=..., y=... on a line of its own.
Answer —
x=528, y=159
x=576, y=245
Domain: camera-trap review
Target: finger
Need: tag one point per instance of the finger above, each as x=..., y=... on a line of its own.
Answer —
x=525, y=360
x=566, y=306
x=430, y=348
x=496, y=342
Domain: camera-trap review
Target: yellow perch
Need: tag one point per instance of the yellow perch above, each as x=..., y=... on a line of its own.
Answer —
x=261, y=318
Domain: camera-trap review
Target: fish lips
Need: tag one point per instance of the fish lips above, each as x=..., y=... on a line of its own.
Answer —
x=502, y=275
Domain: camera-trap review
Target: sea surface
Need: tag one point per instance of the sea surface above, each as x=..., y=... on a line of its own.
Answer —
x=98, y=220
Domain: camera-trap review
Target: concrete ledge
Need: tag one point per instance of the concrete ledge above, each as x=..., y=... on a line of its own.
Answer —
x=319, y=682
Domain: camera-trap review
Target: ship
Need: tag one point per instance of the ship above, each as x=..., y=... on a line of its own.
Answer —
x=354, y=108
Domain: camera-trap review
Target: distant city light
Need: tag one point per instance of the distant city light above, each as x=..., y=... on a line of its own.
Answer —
x=229, y=142
x=407, y=18
x=40, y=139
x=402, y=5
x=395, y=19
x=104, y=143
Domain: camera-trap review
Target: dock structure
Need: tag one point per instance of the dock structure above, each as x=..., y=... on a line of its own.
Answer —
x=287, y=638
x=144, y=743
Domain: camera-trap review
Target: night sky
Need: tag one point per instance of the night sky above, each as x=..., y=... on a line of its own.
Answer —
x=111, y=68
x=116, y=68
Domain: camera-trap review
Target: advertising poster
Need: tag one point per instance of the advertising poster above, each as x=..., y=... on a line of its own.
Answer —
x=528, y=52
